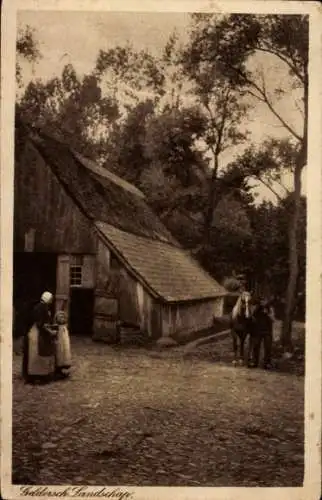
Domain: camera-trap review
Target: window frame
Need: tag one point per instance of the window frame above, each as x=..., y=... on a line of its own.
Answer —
x=76, y=275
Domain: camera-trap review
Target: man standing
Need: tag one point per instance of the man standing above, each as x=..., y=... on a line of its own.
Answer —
x=242, y=282
x=264, y=317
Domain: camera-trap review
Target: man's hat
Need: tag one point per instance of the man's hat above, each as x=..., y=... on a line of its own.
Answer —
x=241, y=276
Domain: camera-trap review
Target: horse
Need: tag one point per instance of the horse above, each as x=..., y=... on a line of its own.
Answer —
x=242, y=326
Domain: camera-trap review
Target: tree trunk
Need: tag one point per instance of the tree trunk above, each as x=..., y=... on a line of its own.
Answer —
x=290, y=301
x=209, y=216
x=293, y=239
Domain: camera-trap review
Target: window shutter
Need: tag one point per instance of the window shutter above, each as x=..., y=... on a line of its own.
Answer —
x=62, y=285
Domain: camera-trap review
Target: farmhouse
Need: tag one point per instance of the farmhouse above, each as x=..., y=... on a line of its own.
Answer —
x=90, y=238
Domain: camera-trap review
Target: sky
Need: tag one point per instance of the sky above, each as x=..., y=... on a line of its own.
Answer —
x=76, y=37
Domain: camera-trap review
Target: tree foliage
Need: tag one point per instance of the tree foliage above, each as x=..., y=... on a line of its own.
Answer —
x=27, y=48
x=266, y=163
x=72, y=108
x=170, y=140
x=224, y=45
x=132, y=75
x=126, y=145
x=164, y=122
x=224, y=110
x=270, y=245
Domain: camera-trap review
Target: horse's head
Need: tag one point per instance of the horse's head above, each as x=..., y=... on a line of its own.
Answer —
x=246, y=304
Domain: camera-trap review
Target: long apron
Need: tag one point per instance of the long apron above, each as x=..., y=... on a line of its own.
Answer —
x=63, y=351
x=37, y=365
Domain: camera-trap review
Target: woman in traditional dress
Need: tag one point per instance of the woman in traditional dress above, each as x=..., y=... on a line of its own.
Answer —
x=38, y=349
x=62, y=352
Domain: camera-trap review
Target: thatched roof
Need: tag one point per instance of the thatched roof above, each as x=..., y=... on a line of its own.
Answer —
x=102, y=174
x=127, y=225
x=100, y=195
x=168, y=272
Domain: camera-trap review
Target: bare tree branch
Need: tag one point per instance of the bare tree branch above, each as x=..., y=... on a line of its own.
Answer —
x=264, y=98
x=282, y=58
x=283, y=122
x=223, y=120
x=299, y=109
x=280, y=183
x=267, y=184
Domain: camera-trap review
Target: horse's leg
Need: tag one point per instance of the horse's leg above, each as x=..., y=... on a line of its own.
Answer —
x=253, y=344
x=242, y=348
x=250, y=351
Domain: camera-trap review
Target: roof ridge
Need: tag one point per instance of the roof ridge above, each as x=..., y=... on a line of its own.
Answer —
x=106, y=173
x=159, y=239
x=123, y=183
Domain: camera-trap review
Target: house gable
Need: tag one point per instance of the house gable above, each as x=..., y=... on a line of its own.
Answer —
x=44, y=210
x=65, y=203
x=99, y=196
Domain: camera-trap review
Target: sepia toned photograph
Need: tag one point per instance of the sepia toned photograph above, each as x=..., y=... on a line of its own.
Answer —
x=159, y=257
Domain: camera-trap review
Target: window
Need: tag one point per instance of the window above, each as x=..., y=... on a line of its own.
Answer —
x=76, y=275
x=78, y=260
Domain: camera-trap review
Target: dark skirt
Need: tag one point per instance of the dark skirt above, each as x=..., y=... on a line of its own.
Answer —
x=37, y=364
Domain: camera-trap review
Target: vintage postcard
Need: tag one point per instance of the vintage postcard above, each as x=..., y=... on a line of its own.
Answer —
x=161, y=249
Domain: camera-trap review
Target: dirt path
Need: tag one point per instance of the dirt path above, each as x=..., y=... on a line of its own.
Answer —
x=143, y=418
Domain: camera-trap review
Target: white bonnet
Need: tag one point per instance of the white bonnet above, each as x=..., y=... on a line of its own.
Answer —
x=46, y=297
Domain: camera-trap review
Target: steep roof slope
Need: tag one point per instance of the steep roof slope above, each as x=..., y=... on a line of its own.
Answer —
x=107, y=198
x=169, y=272
x=128, y=225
